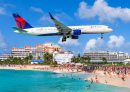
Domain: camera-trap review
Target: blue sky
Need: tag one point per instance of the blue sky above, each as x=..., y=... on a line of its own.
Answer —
x=71, y=13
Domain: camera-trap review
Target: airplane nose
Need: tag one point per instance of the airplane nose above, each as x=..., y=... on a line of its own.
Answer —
x=111, y=30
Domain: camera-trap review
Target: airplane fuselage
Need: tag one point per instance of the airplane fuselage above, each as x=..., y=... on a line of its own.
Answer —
x=53, y=31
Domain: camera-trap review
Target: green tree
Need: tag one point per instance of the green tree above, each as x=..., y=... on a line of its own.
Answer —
x=78, y=54
x=76, y=59
x=1, y=62
x=30, y=57
x=38, y=57
x=55, y=63
x=15, y=61
x=10, y=58
x=19, y=61
x=82, y=59
x=7, y=61
x=47, y=57
x=88, y=58
x=26, y=60
x=55, y=49
x=104, y=59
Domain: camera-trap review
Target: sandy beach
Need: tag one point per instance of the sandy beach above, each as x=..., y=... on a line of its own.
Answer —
x=112, y=79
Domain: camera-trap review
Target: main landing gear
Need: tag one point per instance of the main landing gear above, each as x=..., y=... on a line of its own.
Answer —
x=102, y=35
x=64, y=39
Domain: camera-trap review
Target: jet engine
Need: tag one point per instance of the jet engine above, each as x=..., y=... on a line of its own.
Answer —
x=74, y=37
x=76, y=32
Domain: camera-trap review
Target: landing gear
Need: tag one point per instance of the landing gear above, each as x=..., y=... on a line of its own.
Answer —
x=63, y=39
x=102, y=35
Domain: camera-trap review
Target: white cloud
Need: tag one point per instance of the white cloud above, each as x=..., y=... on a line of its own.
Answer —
x=69, y=42
x=58, y=10
x=36, y=9
x=114, y=43
x=46, y=20
x=103, y=11
x=63, y=15
x=90, y=44
x=8, y=5
x=2, y=11
x=3, y=43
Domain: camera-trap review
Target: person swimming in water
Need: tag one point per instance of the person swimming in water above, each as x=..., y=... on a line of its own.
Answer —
x=79, y=78
x=91, y=81
x=86, y=80
x=86, y=87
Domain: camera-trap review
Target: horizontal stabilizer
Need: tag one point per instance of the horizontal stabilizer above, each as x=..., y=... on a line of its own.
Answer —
x=21, y=30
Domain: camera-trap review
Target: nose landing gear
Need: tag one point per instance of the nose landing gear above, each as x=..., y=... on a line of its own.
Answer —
x=102, y=35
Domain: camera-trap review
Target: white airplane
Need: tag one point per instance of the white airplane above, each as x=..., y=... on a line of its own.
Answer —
x=60, y=29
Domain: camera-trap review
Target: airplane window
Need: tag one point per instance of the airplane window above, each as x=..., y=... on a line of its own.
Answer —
x=108, y=27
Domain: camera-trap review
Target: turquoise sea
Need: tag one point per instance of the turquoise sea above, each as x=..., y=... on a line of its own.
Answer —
x=44, y=81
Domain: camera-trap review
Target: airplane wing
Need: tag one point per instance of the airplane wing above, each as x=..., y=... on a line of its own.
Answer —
x=21, y=30
x=61, y=27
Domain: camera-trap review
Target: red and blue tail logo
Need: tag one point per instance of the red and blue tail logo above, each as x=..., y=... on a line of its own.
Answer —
x=22, y=24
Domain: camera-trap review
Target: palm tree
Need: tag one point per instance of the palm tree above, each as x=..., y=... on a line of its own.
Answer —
x=47, y=57
x=19, y=61
x=1, y=62
x=38, y=57
x=82, y=59
x=76, y=59
x=104, y=59
x=30, y=57
x=7, y=61
x=26, y=59
x=88, y=58
x=15, y=60
x=78, y=54
x=10, y=58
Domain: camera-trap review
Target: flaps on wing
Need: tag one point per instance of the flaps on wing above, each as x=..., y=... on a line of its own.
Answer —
x=21, y=30
x=61, y=27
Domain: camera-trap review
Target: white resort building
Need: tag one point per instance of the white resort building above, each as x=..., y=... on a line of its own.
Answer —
x=63, y=57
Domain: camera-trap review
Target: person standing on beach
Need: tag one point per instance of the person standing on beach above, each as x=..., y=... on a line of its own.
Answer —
x=123, y=77
x=96, y=77
x=91, y=81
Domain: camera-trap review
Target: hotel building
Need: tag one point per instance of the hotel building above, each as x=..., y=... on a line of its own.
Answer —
x=98, y=55
x=36, y=51
x=63, y=57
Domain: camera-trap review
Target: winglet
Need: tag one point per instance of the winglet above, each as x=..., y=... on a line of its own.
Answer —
x=51, y=16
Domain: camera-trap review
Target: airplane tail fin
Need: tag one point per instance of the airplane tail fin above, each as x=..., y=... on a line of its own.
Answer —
x=22, y=24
